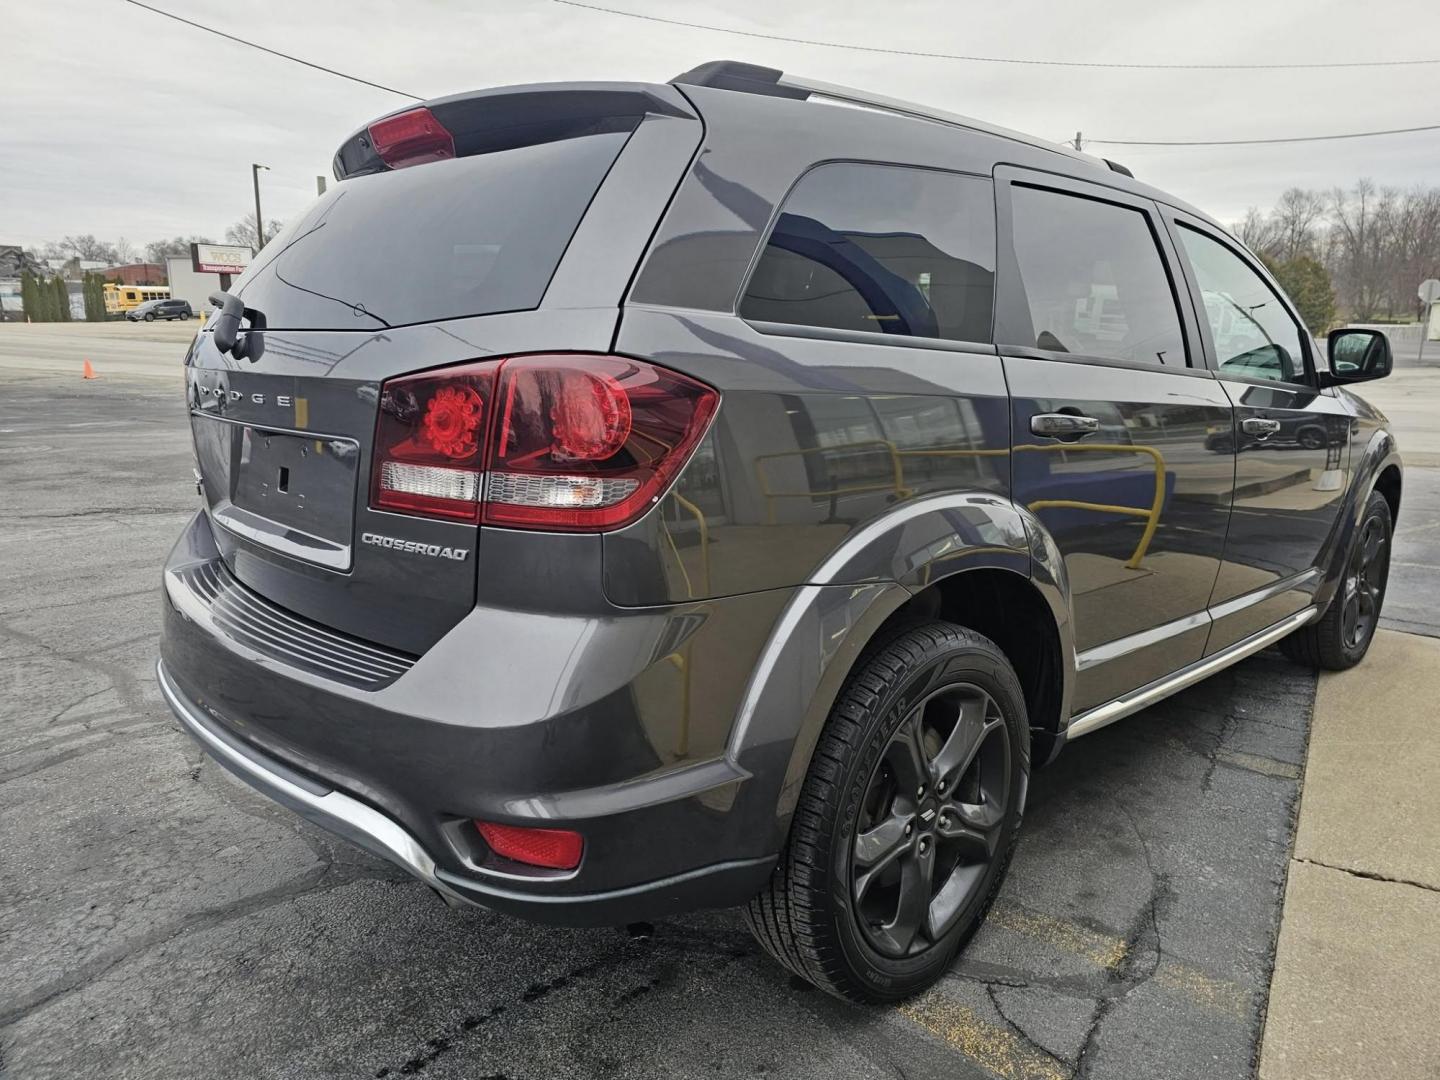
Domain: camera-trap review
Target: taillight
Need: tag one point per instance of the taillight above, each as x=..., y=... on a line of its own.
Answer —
x=411, y=138
x=572, y=442
x=429, y=442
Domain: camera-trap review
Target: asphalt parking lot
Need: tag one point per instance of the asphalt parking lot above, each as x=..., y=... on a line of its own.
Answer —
x=163, y=921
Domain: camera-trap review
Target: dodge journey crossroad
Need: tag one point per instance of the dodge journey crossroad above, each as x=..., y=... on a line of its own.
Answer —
x=625, y=498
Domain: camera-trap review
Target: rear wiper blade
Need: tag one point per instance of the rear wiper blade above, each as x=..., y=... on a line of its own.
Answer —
x=227, y=326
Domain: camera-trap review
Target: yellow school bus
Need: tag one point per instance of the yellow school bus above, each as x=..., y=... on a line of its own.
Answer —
x=122, y=298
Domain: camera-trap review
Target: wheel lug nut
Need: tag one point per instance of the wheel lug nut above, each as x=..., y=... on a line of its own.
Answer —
x=940, y=787
x=920, y=792
x=909, y=829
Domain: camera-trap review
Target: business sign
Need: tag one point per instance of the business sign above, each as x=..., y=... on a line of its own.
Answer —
x=220, y=258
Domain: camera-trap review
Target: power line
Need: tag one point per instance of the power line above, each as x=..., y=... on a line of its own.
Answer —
x=1260, y=142
x=274, y=52
x=898, y=52
x=990, y=59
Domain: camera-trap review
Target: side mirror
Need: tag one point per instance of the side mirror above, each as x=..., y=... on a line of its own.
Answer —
x=1358, y=356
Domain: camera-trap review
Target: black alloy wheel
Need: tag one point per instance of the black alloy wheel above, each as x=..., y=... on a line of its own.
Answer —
x=1341, y=636
x=930, y=820
x=906, y=820
x=1364, y=585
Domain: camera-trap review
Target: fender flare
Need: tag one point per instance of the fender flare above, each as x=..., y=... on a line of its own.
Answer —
x=1379, y=454
x=826, y=625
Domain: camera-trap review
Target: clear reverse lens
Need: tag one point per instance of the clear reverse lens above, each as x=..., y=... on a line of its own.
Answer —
x=430, y=481
x=561, y=492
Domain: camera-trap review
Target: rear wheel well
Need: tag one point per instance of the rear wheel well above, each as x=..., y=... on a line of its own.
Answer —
x=1009, y=610
x=1388, y=484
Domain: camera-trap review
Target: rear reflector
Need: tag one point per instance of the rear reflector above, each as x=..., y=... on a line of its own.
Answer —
x=554, y=849
x=571, y=441
x=411, y=138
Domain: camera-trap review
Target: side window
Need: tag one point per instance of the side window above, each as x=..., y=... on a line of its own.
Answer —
x=1254, y=334
x=882, y=248
x=1094, y=279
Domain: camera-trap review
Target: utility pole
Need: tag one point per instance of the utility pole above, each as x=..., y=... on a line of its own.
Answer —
x=319, y=185
x=259, y=221
x=1078, y=141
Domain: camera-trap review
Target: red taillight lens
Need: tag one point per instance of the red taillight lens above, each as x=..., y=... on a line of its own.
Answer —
x=588, y=442
x=429, y=441
x=554, y=849
x=566, y=441
x=411, y=138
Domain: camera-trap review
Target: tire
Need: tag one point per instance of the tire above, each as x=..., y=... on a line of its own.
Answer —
x=1312, y=438
x=149, y=316
x=1340, y=638
x=839, y=907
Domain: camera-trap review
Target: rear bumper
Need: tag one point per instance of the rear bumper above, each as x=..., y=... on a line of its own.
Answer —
x=717, y=885
x=559, y=720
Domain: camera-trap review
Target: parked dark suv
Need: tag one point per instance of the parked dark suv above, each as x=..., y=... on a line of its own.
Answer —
x=623, y=499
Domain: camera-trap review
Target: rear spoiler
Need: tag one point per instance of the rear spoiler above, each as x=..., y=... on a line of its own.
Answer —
x=509, y=116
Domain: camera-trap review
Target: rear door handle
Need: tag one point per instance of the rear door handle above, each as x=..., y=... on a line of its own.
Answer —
x=1063, y=425
x=1259, y=427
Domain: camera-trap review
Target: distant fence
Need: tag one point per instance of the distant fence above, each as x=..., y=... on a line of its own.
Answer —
x=1405, y=342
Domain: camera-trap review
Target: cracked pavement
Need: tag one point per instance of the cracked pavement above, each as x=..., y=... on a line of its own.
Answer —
x=161, y=920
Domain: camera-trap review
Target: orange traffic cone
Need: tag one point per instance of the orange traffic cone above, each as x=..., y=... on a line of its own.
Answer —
x=88, y=371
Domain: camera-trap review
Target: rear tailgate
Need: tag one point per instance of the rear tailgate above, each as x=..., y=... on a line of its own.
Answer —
x=283, y=449
x=387, y=274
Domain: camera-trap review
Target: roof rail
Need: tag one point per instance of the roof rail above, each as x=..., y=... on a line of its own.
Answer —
x=754, y=79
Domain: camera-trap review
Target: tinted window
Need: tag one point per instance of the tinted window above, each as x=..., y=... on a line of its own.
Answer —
x=880, y=248
x=1254, y=334
x=1094, y=279
x=470, y=236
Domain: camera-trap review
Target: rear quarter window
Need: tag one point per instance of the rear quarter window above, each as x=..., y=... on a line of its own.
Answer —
x=880, y=248
x=470, y=236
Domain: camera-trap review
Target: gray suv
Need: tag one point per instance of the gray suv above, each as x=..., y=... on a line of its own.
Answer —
x=621, y=499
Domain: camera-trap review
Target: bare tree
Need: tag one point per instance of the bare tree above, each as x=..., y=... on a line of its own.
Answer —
x=1256, y=232
x=243, y=232
x=1295, y=224
x=1415, y=244
x=159, y=250
x=1376, y=244
x=88, y=248
x=124, y=251
x=1363, y=216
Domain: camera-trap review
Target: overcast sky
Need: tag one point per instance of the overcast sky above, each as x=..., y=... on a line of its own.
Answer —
x=119, y=122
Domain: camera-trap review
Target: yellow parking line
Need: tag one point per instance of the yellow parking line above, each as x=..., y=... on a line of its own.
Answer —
x=1106, y=951
x=991, y=1047
x=1221, y=995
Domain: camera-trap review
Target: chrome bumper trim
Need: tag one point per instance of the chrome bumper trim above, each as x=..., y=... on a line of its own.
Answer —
x=1146, y=696
x=332, y=810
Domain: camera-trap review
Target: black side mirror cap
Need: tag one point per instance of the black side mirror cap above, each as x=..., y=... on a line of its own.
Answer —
x=1358, y=355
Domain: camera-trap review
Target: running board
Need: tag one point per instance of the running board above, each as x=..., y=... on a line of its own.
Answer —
x=1143, y=698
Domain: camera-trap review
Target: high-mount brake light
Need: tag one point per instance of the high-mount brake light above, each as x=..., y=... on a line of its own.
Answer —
x=412, y=137
x=568, y=441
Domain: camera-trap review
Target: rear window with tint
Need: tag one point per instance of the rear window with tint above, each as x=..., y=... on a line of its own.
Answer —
x=471, y=236
x=883, y=249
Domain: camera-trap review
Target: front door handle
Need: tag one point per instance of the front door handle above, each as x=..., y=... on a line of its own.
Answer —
x=1063, y=425
x=1259, y=427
